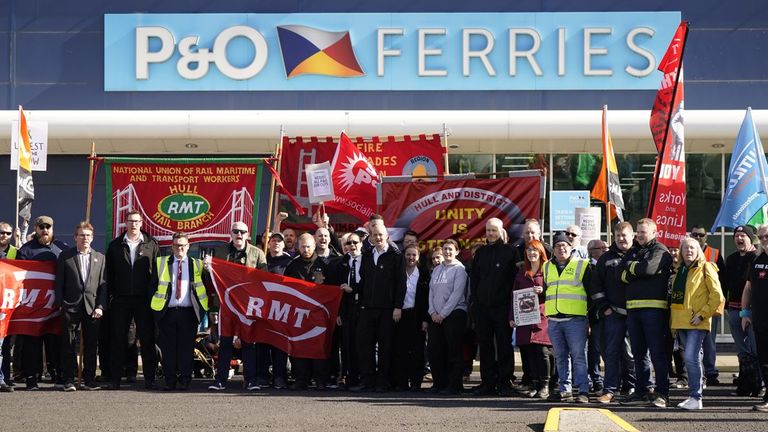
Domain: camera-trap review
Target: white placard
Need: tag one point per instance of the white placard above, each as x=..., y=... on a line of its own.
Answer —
x=38, y=132
x=589, y=220
x=525, y=306
x=319, y=182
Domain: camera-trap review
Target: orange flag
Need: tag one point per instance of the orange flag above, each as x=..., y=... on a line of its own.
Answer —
x=607, y=188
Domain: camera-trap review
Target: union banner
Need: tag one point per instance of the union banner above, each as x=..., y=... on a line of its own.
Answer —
x=296, y=316
x=459, y=209
x=27, y=305
x=202, y=197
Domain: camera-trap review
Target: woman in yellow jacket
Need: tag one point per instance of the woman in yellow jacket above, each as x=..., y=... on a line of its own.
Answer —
x=696, y=294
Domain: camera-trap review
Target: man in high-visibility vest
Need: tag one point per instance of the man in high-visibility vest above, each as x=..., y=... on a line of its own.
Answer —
x=712, y=255
x=565, y=282
x=646, y=272
x=179, y=303
x=7, y=251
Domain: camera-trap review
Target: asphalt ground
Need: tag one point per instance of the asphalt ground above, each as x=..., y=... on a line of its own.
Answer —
x=135, y=409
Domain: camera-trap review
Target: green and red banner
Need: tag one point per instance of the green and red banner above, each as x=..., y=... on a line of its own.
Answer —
x=27, y=305
x=202, y=197
x=459, y=209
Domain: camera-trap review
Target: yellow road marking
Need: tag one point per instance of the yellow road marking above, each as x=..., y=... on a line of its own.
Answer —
x=553, y=419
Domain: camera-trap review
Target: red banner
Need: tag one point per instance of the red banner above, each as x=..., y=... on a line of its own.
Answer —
x=201, y=198
x=390, y=156
x=28, y=298
x=459, y=209
x=667, y=203
x=354, y=181
x=293, y=315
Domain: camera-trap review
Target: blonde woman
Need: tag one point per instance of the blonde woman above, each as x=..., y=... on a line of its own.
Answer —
x=696, y=294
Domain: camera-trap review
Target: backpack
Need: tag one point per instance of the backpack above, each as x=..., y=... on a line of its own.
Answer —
x=750, y=382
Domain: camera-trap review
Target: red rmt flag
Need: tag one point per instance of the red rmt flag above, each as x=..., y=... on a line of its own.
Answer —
x=354, y=181
x=27, y=304
x=671, y=65
x=296, y=316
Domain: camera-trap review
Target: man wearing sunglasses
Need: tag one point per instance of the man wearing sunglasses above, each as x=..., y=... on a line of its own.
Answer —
x=239, y=251
x=42, y=247
x=346, y=273
x=711, y=254
x=7, y=251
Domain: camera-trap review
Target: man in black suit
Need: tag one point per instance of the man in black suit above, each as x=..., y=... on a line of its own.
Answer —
x=81, y=292
x=382, y=275
x=179, y=302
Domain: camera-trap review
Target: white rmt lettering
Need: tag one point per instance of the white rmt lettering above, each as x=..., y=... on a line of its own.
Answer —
x=279, y=311
x=255, y=305
x=382, y=52
x=300, y=315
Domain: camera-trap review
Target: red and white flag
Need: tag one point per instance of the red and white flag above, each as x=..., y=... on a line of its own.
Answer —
x=296, y=316
x=354, y=181
x=667, y=203
x=28, y=298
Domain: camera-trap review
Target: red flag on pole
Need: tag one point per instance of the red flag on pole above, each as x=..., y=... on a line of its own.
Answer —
x=296, y=316
x=27, y=306
x=354, y=181
x=671, y=65
x=667, y=203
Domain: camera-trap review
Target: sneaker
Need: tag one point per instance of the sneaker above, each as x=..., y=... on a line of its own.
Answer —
x=566, y=397
x=252, y=387
x=690, y=404
x=5, y=388
x=635, y=399
x=659, y=401
x=543, y=393
x=605, y=398
x=32, y=384
x=90, y=386
x=216, y=386
x=58, y=386
x=680, y=384
x=713, y=381
x=280, y=383
x=69, y=387
x=484, y=390
x=762, y=407
x=581, y=399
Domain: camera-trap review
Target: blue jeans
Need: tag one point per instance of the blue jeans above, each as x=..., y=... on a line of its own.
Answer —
x=616, y=354
x=693, y=340
x=710, y=350
x=569, y=341
x=648, y=330
x=745, y=342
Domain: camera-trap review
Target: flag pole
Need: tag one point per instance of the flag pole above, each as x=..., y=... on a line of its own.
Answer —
x=19, y=143
x=272, y=188
x=91, y=165
x=446, y=169
x=607, y=177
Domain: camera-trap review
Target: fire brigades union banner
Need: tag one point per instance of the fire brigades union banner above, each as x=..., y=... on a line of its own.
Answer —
x=459, y=209
x=201, y=197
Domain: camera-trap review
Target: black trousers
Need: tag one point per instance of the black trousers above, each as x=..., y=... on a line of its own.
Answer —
x=495, y=339
x=445, y=351
x=178, y=328
x=105, y=349
x=375, y=327
x=761, y=339
x=540, y=361
x=122, y=311
x=408, y=359
x=71, y=325
x=32, y=355
x=350, y=366
x=267, y=355
x=305, y=369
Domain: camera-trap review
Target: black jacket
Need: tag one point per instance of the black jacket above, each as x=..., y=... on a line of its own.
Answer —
x=735, y=277
x=306, y=270
x=339, y=275
x=421, y=303
x=278, y=264
x=647, y=271
x=126, y=280
x=606, y=289
x=69, y=287
x=493, y=272
x=383, y=283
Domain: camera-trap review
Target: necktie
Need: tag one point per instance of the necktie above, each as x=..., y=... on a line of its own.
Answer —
x=178, y=280
x=353, y=271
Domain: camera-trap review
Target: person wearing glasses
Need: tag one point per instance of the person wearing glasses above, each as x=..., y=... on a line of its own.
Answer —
x=81, y=292
x=609, y=301
x=346, y=274
x=131, y=268
x=238, y=251
x=711, y=254
x=42, y=247
x=574, y=233
x=595, y=248
x=7, y=251
x=179, y=302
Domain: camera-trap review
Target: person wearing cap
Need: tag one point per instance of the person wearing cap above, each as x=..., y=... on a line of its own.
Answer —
x=711, y=254
x=42, y=247
x=493, y=270
x=609, y=300
x=736, y=267
x=7, y=251
x=754, y=307
x=238, y=251
x=646, y=271
x=566, y=282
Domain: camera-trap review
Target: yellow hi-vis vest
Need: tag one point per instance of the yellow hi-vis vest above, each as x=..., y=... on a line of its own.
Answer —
x=565, y=292
x=11, y=253
x=161, y=295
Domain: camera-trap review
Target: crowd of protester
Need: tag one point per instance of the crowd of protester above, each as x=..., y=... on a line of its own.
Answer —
x=646, y=312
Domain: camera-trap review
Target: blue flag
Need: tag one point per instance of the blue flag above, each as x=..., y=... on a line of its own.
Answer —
x=746, y=192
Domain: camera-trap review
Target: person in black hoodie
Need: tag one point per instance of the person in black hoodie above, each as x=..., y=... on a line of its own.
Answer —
x=309, y=267
x=609, y=300
x=410, y=331
x=382, y=275
x=131, y=268
x=493, y=270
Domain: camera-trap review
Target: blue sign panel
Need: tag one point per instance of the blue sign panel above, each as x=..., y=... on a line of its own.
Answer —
x=386, y=51
x=562, y=208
